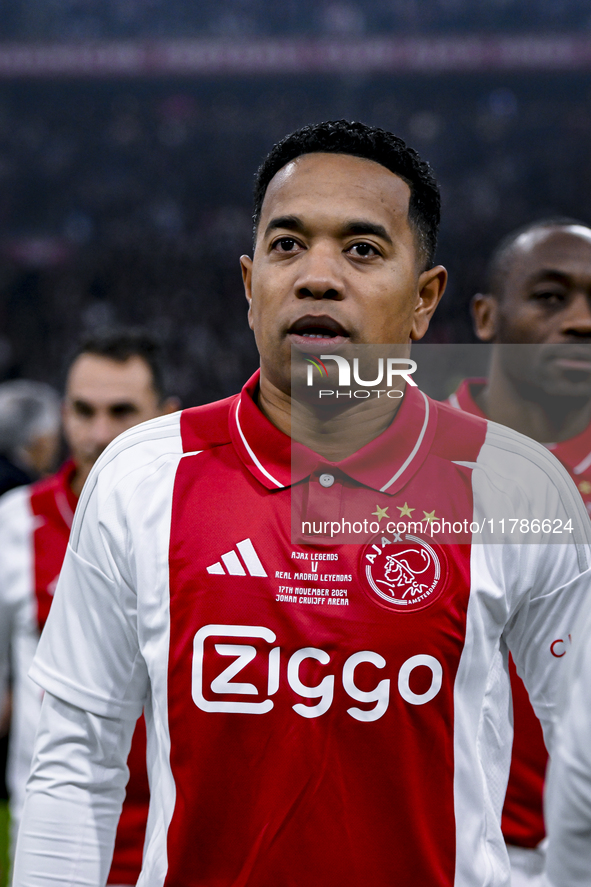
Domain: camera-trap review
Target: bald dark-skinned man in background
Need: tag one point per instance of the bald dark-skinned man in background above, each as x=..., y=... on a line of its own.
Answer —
x=539, y=296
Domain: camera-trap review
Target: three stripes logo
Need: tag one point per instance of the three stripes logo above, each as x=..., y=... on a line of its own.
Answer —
x=248, y=564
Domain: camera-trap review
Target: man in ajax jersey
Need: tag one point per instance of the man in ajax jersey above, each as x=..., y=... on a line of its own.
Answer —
x=539, y=296
x=328, y=713
x=113, y=383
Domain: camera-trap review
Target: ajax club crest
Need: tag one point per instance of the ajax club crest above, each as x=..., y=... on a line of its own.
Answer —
x=403, y=572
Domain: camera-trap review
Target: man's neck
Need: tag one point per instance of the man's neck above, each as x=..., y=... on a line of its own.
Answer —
x=552, y=421
x=333, y=434
x=78, y=479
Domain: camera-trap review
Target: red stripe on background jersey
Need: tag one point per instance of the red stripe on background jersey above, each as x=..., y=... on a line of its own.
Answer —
x=53, y=504
x=311, y=740
x=129, y=840
x=523, y=813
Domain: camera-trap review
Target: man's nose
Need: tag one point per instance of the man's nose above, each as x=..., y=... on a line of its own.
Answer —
x=320, y=274
x=104, y=430
x=576, y=323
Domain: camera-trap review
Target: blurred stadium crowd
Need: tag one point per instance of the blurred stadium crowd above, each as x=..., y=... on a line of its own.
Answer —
x=130, y=201
x=95, y=19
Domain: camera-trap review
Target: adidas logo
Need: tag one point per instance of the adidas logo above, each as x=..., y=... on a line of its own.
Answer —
x=233, y=564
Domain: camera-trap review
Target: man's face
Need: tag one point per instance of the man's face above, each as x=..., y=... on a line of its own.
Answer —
x=335, y=262
x=546, y=301
x=103, y=398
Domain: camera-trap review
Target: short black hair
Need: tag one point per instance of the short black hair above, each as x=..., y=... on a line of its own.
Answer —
x=369, y=143
x=122, y=343
x=500, y=260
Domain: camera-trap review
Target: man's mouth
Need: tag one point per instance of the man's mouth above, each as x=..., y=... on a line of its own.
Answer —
x=314, y=332
x=576, y=358
x=574, y=363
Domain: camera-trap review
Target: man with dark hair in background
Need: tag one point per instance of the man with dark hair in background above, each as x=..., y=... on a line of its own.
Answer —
x=537, y=310
x=292, y=740
x=114, y=381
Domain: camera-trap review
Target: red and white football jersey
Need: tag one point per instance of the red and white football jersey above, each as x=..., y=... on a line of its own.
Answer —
x=333, y=714
x=523, y=817
x=35, y=524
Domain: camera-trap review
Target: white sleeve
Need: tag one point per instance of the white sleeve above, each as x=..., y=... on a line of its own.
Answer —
x=568, y=787
x=16, y=531
x=538, y=634
x=89, y=660
x=19, y=635
x=89, y=652
x=544, y=577
x=6, y=622
x=74, y=797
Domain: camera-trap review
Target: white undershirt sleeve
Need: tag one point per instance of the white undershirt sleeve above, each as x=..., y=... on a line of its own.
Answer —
x=540, y=631
x=541, y=559
x=74, y=797
x=568, y=787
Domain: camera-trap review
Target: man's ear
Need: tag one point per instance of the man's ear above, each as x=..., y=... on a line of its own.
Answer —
x=246, y=267
x=431, y=287
x=170, y=405
x=485, y=316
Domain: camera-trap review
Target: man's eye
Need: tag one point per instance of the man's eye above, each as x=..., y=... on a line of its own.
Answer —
x=549, y=297
x=285, y=245
x=363, y=250
x=84, y=410
x=123, y=410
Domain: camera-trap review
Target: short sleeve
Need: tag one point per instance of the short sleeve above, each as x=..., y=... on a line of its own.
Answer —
x=89, y=653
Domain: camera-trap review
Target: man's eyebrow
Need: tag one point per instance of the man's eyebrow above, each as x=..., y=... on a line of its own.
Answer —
x=550, y=274
x=290, y=223
x=120, y=405
x=351, y=226
x=79, y=402
x=364, y=226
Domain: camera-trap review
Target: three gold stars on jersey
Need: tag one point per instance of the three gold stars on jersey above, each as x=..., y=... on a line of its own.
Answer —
x=405, y=511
